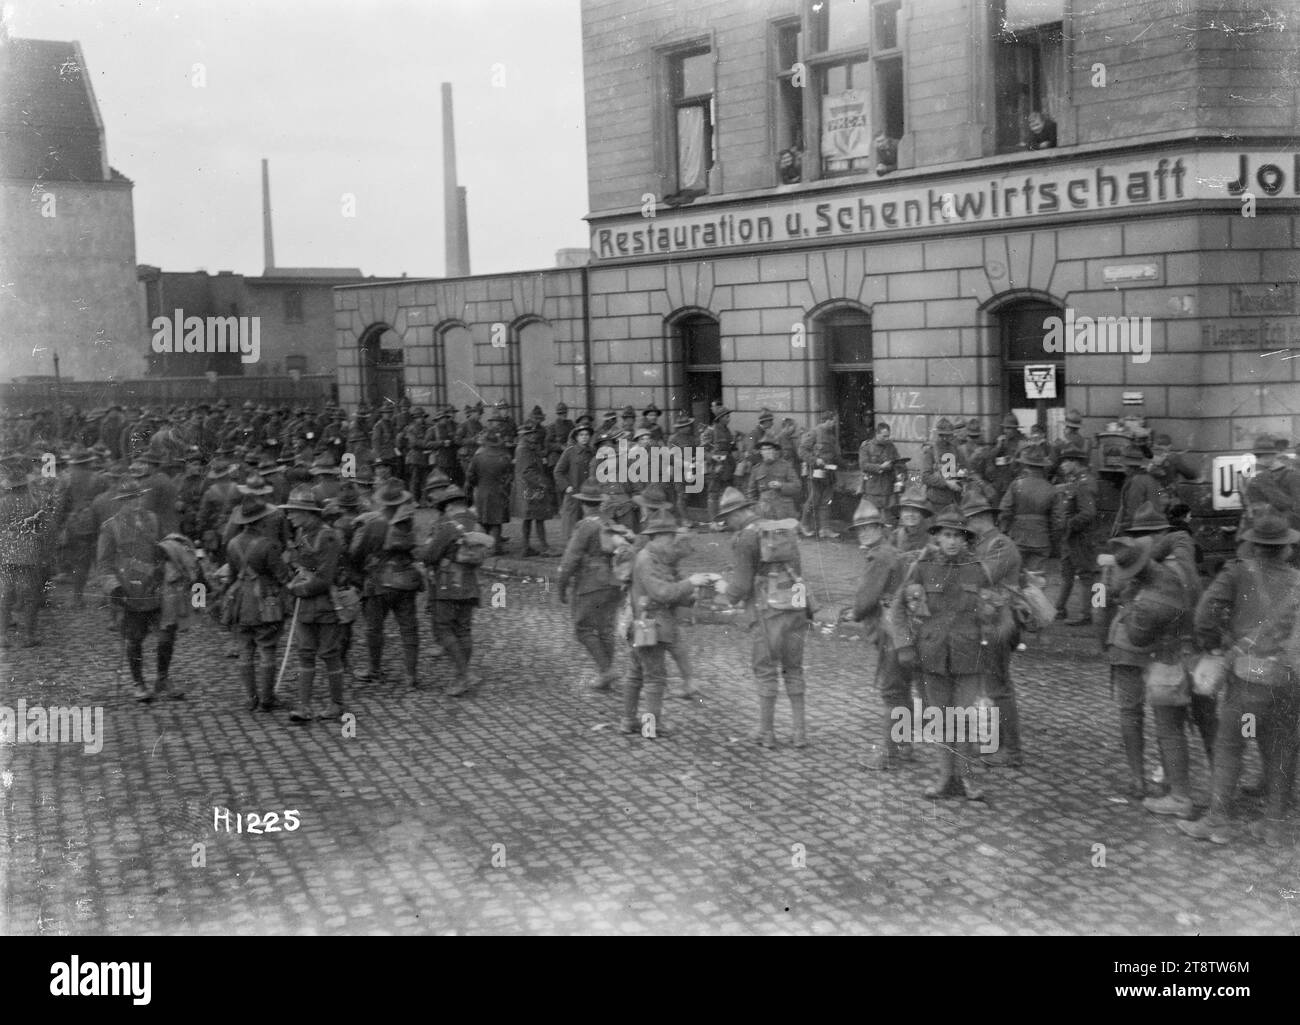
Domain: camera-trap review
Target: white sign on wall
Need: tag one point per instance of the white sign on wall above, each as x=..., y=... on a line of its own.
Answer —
x=1040, y=381
x=846, y=125
x=1229, y=479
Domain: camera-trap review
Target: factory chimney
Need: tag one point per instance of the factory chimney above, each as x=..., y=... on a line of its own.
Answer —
x=268, y=247
x=455, y=217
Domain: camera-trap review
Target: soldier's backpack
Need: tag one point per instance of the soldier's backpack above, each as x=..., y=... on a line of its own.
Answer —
x=251, y=600
x=471, y=548
x=778, y=548
x=397, y=568
x=139, y=564
x=778, y=540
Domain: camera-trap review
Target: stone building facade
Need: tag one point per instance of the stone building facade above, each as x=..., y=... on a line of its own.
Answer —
x=849, y=205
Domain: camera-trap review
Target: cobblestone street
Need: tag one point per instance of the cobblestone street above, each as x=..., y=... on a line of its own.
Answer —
x=521, y=809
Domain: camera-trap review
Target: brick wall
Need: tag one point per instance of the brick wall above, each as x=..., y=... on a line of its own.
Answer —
x=535, y=319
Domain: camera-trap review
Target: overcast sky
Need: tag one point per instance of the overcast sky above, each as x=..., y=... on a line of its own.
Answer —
x=343, y=97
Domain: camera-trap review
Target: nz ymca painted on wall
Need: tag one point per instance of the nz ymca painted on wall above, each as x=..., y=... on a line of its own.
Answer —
x=1062, y=187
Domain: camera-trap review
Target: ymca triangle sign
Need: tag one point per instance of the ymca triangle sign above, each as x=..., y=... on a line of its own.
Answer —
x=1040, y=381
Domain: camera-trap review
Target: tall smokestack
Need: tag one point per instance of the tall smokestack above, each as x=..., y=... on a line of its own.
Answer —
x=453, y=196
x=268, y=247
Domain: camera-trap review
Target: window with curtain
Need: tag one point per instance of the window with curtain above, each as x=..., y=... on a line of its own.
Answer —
x=1028, y=67
x=691, y=84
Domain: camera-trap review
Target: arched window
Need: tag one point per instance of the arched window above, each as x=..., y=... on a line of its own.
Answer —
x=698, y=345
x=535, y=350
x=1032, y=394
x=849, y=377
x=382, y=365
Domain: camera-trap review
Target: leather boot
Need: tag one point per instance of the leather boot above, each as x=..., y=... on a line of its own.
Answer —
x=799, y=738
x=1130, y=728
x=303, y=711
x=411, y=663
x=946, y=783
x=247, y=671
x=334, y=710
x=968, y=786
x=1008, y=755
x=267, y=681
x=765, y=735
x=655, y=707
x=631, y=702
x=889, y=757
x=165, y=687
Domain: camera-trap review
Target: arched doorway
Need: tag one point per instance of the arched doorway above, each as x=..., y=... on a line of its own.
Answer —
x=845, y=348
x=1033, y=380
x=695, y=371
x=383, y=380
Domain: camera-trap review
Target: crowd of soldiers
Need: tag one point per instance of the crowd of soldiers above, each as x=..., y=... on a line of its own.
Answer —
x=297, y=523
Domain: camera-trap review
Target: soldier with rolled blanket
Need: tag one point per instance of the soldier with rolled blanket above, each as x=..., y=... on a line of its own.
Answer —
x=315, y=554
x=779, y=604
x=882, y=575
x=1001, y=561
x=1075, y=515
x=1026, y=509
x=455, y=549
x=944, y=640
x=253, y=608
x=1175, y=549
x=656, y=590
x=656, y=500
x=139, y=573
x=1156, y=601
x=382, y=546
x=1127, y=658
x=587, y=570
x=1251, y=612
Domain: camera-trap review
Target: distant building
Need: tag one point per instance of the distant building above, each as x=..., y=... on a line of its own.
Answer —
x=67, y=225
x=294, y=307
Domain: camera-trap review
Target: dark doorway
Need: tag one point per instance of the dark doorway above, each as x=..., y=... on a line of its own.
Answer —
x=701, y=355
x=383, y=380
x=850, y=378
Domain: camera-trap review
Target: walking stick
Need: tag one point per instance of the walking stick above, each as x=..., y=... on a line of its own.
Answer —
x=288, y=644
